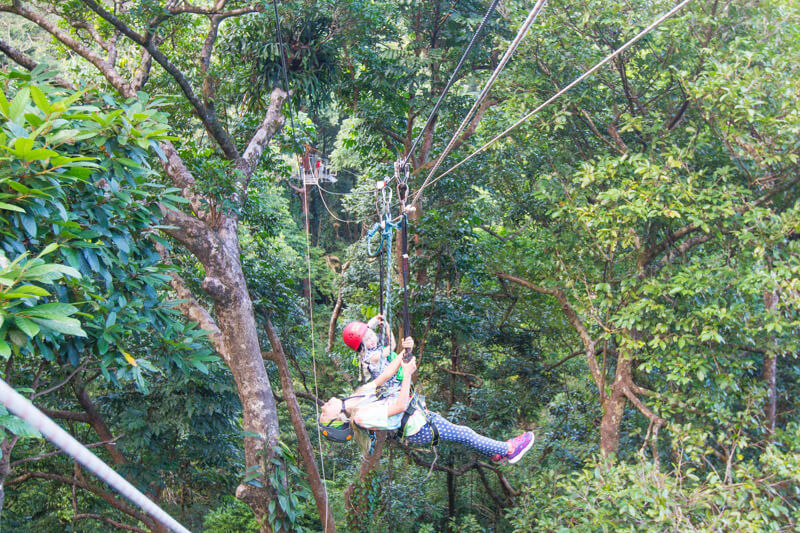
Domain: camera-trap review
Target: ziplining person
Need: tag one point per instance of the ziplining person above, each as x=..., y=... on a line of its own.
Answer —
x=345, y=419
x=372, y=352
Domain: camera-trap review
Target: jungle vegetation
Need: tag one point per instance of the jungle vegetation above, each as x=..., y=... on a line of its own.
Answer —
x=619, y=274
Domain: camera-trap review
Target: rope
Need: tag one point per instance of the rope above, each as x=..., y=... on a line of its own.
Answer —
x=324, y=203
x=523, y=30
x=577, y=80
x=308, y=264
x=452, y=78
x=24, y=409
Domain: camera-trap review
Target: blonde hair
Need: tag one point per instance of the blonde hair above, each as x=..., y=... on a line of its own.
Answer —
x=360, y=435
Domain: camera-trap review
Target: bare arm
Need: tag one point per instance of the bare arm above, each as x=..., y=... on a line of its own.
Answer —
x=388, y=372
x=401, y=403
x=391, y=370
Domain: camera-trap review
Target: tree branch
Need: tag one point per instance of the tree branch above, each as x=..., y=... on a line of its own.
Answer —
x=192, y=233
x=58, y=452
x=143, y=72
x=654, y=418
x=28, y=63
x=206, y=114
x=192, y=309
x=564, y=360
x=304, y=442
x=681, y=249
x=65, y=415
x=572, y=318
x=56, y=387
x=110, y=522
x=107, y=70
x=272, y=122
x=105, y=496
x=412, y=454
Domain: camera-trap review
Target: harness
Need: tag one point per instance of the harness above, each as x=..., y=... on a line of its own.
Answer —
x=417, y=403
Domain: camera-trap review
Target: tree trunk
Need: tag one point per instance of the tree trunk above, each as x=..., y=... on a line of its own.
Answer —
x=613, y=408
x=770, y=370
x=369, y=464
x=303, y=441
x=233, y=311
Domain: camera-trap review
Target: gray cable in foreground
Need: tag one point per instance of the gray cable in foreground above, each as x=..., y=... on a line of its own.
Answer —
x=23, y=408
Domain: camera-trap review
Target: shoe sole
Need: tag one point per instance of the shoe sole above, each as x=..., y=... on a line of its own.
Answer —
x=524, y=451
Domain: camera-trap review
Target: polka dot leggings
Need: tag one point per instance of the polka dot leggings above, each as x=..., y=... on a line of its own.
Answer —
x=450, y=432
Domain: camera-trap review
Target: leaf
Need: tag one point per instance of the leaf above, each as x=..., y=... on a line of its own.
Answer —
x=18, y=338
x=32, y=290
x=40, y=99
x=5, y=349
x=68, y=326
x=54, y=308
x=27, y=326
x=17, y=426
x=18, y=105
x=252, y=475
x=121, y=242
x=129, y=358
x=10, y=207
x=29, y=223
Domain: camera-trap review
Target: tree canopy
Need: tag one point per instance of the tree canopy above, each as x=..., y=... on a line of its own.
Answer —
x=618, y=274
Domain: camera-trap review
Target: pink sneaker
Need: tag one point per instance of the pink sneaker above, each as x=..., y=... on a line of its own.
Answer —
x=520, y=446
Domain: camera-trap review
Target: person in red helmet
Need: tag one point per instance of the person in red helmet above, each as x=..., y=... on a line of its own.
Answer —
x=372, y=358
x=351, y=418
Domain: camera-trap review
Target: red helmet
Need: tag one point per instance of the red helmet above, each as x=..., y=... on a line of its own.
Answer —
x=353, y=334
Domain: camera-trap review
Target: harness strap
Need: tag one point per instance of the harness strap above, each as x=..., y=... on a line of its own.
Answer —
x=406, y=415
x=434, y=430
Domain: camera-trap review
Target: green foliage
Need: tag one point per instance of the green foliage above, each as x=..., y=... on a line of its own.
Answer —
x=231, y=515
x=75, y=185
x=747, y=495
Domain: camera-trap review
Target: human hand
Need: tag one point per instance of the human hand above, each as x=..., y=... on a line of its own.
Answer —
x=374, y=321
x=408, y=344
x=409, y=367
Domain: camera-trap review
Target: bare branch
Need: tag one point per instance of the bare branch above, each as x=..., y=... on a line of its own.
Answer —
x=192, y=309
x=106, y=520
x=681, y=249
x=193, y=233
x=572, y=318
x=411, y=453
x=272, y=122
x=564, y=360
x=106, y=496
x=651, y=253
x=107, y=70
x=207, y=115
x=641, y=406
x=215, y=11
x=305, y=447
x=29, y=63
x=94, y=34
x=58, y=452
x=56, y=387
x=65, y=415
x=143, y=72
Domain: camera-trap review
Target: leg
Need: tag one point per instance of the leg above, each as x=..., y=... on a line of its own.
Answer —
x=452, y=433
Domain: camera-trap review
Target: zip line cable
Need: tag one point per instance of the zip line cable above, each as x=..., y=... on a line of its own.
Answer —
x=576, y=81
x=23, y=408
x=523, y=30
x=308, y=263
x=322, y=197
x=452, y=78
